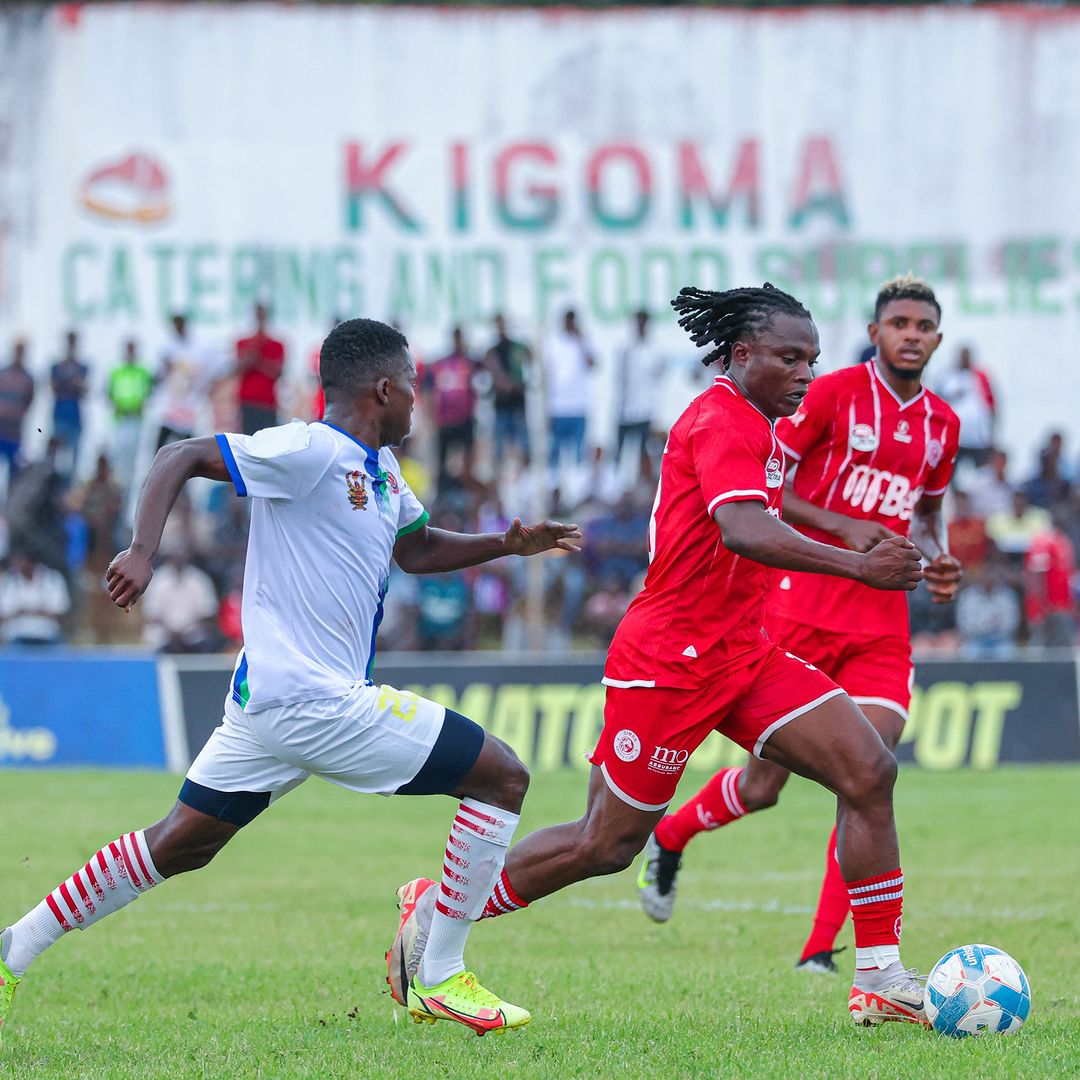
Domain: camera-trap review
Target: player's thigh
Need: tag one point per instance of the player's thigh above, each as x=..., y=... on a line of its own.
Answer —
x=649, y=735
x=236, y=776
x=834, y=744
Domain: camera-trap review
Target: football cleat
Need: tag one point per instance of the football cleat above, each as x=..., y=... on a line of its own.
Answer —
x=462, y=999
x=8, y=985
x=820, y=963
x=416, y=903
x=656, y=880
x=902, y=1001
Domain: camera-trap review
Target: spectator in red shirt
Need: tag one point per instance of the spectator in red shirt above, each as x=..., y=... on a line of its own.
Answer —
x=969, y=543
x=449, y=382
x=1049, y=572
x=260, y=360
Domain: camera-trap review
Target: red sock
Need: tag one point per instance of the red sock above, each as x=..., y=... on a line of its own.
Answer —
x=716, y=804
x=832, y=909
x=503, y=899
x=876, y=906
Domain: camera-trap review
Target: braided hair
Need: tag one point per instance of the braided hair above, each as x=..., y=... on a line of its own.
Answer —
x=723, y=318
x=905, y=287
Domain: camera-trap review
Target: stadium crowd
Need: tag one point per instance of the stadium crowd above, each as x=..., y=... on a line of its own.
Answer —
x=502, y=429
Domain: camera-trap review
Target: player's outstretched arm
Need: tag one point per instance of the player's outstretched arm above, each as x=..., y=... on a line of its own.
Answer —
x=130, y=572
x=942, y=572
x=856, y=533
x=434, y=551
x=748, y=529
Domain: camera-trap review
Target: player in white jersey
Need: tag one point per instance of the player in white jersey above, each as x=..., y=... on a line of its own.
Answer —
x=330, y=510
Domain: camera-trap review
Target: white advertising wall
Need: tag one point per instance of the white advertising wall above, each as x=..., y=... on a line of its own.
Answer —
x=433, y=167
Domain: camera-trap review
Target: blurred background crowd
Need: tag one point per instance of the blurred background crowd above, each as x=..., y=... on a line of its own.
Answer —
x=501, y=430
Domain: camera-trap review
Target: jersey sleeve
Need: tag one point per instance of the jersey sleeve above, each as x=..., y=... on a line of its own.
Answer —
x=937, y=479
x=798, y=433
x=729, y=459
x=411, y=512
x=276, y=463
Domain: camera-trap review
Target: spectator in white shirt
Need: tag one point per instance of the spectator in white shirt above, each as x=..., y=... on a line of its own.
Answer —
x=988, y=612
x=639, y=367
x=33, y=599
x=968, y=390
x=179, y=607
x=568, y=358
x=188, y=368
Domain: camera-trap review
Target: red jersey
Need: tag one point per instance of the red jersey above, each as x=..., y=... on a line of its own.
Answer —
x=864, y=453
x=702, y=605
x=257, y=383
x=1051, y=554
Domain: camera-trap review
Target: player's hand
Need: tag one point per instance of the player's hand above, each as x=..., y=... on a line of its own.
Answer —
x=532, y=539
x=127, y=577
x=942, y=574
x=862, y=535
x=893, y=564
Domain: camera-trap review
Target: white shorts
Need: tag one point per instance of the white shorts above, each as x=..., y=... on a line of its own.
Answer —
x=375, y=739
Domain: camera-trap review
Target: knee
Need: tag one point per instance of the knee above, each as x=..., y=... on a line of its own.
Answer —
x=757, y=795
x=509, y=784
x=873, y=781
x=175, y=851
x=515, y=782
x=610, y=854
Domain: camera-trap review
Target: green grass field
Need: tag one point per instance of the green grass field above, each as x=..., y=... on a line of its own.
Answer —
x=269, y=962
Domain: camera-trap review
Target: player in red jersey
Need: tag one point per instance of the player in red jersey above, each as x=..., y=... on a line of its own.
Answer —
x=691, y=656
x=874, y=452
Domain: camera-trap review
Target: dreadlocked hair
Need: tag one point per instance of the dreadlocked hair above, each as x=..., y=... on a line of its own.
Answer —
x=722, y=318
x=905, y=287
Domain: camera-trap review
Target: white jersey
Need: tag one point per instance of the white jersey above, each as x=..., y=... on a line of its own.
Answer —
x=327, y=512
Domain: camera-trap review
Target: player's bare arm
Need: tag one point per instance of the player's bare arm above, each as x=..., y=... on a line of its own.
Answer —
x=856, y=533
x=749, y=530
x=942, y=571
x=130, y=572
x=435, y=551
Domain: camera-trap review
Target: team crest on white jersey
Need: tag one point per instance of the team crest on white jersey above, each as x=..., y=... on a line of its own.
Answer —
x=934, y=452
x=863, y=437
x=774, y=473
x=356, y=484
x=902, y=432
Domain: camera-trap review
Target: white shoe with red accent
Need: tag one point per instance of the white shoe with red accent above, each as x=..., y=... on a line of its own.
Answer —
x=416, y=902
x=901, y=1000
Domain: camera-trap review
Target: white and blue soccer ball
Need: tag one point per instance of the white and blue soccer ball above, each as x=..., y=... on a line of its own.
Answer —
x=977, y=990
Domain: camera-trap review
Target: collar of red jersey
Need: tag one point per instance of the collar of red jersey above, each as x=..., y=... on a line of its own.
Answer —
x=875, y=377
x=733, y=386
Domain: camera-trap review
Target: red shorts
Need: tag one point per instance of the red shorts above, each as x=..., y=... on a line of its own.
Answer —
x=650, y=732
x=872, y=670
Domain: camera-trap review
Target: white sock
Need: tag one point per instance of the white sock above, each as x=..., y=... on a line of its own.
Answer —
x=878, y=967
x=116, y=875
x=475, y=853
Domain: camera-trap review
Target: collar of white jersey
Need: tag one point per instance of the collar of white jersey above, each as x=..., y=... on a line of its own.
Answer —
x=730, y=384
x=353, y=438
x=875, y=377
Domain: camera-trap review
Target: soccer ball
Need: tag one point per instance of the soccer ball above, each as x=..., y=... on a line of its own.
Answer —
x=977, y=989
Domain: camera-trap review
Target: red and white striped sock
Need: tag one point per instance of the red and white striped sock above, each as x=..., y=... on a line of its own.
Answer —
x=475, y=853
x=716, y=804
x=877, y=905
x=119, y=873
x=503, y=899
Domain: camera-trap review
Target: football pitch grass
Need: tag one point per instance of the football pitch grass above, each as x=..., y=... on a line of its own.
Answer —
x=269, y=962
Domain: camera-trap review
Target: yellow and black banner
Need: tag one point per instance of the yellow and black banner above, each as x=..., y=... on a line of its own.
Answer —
x=973, y=714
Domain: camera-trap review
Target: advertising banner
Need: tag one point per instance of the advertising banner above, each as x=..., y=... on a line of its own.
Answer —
x=60, y=708
x=963, y=715
x=434, y=167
